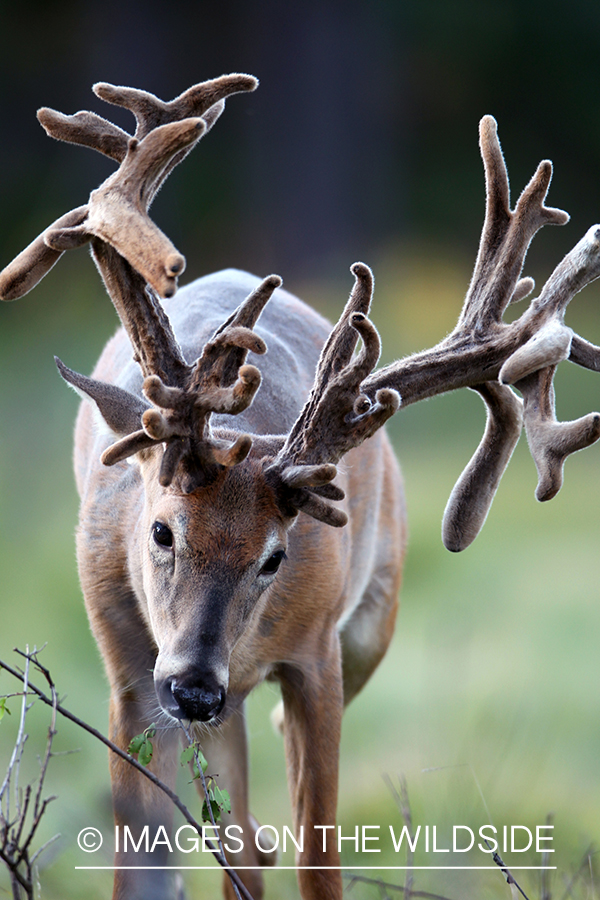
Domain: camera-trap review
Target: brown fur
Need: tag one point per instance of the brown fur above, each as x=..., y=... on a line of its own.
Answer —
x=179, y=550
x=319, y=628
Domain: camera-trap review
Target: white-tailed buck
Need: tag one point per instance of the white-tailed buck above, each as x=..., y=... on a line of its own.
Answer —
x=206, y=549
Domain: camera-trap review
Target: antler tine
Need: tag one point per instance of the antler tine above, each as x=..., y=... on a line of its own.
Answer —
x=550, y=442
x=342, y=341
x=551, y=342
x=585, y=354
x=473, y=493
x=150, y=112
x=181, y=397
x=118, y=208
x=218, y=382
x=90, y=130
x=243, y=319
x=205, y=100
x=497, y=193
x=36, y=260
x=506, y=235
x=339, y=347
x=87, y=129
x=336, y=416
x=117, y=213
x=531, y=368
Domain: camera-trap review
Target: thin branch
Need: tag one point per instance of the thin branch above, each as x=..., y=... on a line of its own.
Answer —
x=510, y=879
x=34, y=827
x=17, y=747
x=385, y=885
x=43, y=847
x=17, y=838
x=403, y=804
x=207, y=798
x=21, y=738
x=220, y=858
x=15, y=875
x=545, y=891
x=39, y=810
x=582, y=866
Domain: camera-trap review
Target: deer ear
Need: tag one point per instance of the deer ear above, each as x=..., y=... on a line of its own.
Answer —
x=121, y=410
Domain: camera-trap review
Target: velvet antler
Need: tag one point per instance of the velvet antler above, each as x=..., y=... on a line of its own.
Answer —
x=337, y=416
x=117, y=211
x=137, y=263
x=487, y=354
x=177, y=414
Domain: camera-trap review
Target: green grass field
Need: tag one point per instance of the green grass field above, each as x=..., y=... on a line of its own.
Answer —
x=488, y=702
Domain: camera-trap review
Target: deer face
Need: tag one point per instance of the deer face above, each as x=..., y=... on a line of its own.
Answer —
x=216, y=518
x=207, y=557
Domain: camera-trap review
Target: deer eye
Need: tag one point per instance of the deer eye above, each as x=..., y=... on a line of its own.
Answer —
x=162, y=534
x=273, y=563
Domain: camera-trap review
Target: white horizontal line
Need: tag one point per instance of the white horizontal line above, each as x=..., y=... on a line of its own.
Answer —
x=319, y=868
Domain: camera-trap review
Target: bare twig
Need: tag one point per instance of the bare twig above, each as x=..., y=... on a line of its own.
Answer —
x=220, y=858
x=17, y=749
x=363, y=879
x=403, y=804
x=585, y=862
x=510, y=879
x=17, y=831
x=545, y=892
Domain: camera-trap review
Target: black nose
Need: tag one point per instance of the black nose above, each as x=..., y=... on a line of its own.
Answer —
x=196, y=702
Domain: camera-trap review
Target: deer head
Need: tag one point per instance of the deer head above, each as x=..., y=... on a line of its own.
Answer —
x=187, y=466
x=218, y=505
x=194, y=543
x=196, y=479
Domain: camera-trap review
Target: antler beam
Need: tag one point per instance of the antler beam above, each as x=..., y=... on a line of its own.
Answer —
x=487, y=354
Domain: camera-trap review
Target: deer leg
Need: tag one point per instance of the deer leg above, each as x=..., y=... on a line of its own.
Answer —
x=226, y=752
x=143, y=814
x=313, y=703
x=140, y=808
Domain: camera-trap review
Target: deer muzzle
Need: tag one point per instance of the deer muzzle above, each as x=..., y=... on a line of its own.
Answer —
x=195, y=696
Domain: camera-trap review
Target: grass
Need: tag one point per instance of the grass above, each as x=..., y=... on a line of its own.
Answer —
x=492, y=678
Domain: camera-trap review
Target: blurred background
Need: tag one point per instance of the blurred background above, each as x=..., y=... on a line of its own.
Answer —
x=360, y=143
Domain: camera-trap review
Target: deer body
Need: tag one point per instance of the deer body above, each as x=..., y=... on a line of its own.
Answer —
x=319, y=628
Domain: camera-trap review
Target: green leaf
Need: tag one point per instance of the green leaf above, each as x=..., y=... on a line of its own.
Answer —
x=4, y=708
x=145, y=753
x=135, y=744
x=216, y=811
x=202, y=760
x=198, y=756
x=223, y=799
x=187, y=755
x=150, y=731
